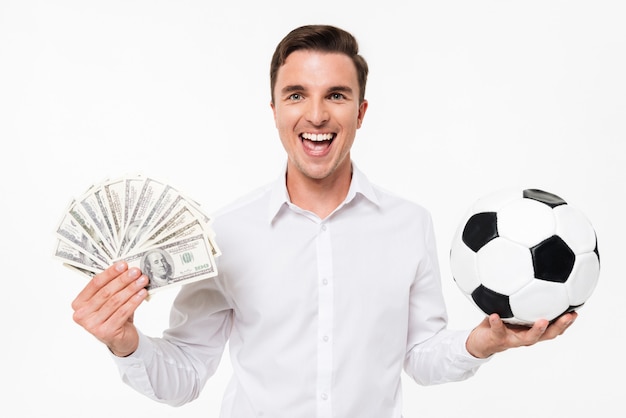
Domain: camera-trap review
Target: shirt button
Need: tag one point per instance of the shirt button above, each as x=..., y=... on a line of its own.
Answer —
x=325, y=338
x=324, y=396
x=324, y=282
x=324, y=227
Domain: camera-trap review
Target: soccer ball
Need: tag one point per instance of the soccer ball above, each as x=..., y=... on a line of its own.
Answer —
x=525, y=255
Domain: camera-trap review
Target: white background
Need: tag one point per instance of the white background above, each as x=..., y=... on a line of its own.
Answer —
x=466, y=97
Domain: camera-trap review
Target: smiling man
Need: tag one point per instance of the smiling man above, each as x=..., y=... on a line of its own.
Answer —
x=318, y=108
x=343, y=293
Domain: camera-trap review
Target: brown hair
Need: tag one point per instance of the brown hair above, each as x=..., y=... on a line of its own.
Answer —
x=323, y=38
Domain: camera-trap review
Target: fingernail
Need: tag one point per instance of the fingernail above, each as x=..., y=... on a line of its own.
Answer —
x=143, y=280
x=133, y=273
x=141, y=294
x=120, y=267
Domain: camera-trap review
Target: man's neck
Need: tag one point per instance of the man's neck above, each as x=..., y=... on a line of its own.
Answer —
x=321, y=196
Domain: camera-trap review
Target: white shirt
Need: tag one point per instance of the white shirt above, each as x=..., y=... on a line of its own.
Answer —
x=321, y=315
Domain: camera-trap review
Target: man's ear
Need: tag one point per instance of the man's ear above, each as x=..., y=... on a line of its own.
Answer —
x=273, y=110
x=361, y=114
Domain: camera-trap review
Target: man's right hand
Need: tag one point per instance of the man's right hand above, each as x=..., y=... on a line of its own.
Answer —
x=106, y=306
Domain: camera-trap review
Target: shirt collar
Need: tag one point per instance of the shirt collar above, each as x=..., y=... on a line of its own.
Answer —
x=279, y=197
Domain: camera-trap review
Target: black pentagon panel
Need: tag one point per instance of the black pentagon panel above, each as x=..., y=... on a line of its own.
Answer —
x=480, y=229
x=553, y=260
x=492, y=302
x=542, y=196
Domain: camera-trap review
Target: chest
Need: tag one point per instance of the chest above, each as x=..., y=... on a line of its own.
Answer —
x=302, y=267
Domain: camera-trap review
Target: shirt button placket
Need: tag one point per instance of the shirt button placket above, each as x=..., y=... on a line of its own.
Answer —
x=325, y=321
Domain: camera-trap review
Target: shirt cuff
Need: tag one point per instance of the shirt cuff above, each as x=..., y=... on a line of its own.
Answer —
x=133, y=369
x=141, y=355
x=465, y=357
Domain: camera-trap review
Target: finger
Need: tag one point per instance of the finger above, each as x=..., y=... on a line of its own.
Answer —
x=497, y=325
x=114, y=325
x=110, y=302
x=125, y=300
x=117, y=284
x=92, y=309
x=97, y=282
x=126, y=310
x=560, y=325
x=536, y=332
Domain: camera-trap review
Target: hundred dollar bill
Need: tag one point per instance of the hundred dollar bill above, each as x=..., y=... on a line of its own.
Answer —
x=171, y=218
x=92, y=204
x=76, y=258
x=194, y=227
x=168, y=196
x=148, y=196
x=132, y=190
x=178, y=203
x=72, y=232
x=92, y=229
x=178, y=219
x=175, y=263
x=101, y=199
x=114, y=192
x=187, y=221
x=80, y=270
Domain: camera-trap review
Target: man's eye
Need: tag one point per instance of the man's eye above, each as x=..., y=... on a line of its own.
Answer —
x=295, y=96
x=337, y=96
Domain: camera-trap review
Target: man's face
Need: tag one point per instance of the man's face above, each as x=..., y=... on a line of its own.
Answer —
x=317, y=112
x=157, y=265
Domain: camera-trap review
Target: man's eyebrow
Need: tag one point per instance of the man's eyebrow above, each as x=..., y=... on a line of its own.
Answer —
x=297, y=87
x=292, y=88
x=340, y=89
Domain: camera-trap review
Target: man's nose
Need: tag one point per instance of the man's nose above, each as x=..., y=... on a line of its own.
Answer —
x=317, y=112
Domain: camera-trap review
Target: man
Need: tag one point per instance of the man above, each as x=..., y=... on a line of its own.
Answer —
x=313, y=330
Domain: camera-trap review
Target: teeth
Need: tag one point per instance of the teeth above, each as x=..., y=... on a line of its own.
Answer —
x=317, y=137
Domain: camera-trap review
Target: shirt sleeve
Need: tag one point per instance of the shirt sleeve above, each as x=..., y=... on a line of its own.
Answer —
x=443, y=358
x=434, y=354
x=174, y=369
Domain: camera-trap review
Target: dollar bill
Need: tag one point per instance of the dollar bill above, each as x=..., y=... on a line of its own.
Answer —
x=71, y=232
x=114, y=196
x=146, y=222
x=92, y=205
x=185, y=260
x=165, y=199
x=71, y=255
x=148, y=196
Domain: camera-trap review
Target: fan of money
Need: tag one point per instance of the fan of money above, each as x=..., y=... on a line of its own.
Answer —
x=147, y=223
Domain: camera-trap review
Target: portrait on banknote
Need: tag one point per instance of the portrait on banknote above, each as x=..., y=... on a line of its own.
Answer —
x=156, y=266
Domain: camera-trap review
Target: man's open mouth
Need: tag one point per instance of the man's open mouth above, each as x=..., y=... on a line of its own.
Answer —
x=317, y=142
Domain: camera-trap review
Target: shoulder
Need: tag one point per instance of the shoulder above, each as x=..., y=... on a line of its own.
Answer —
x=388, y=203
x=391, y=202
